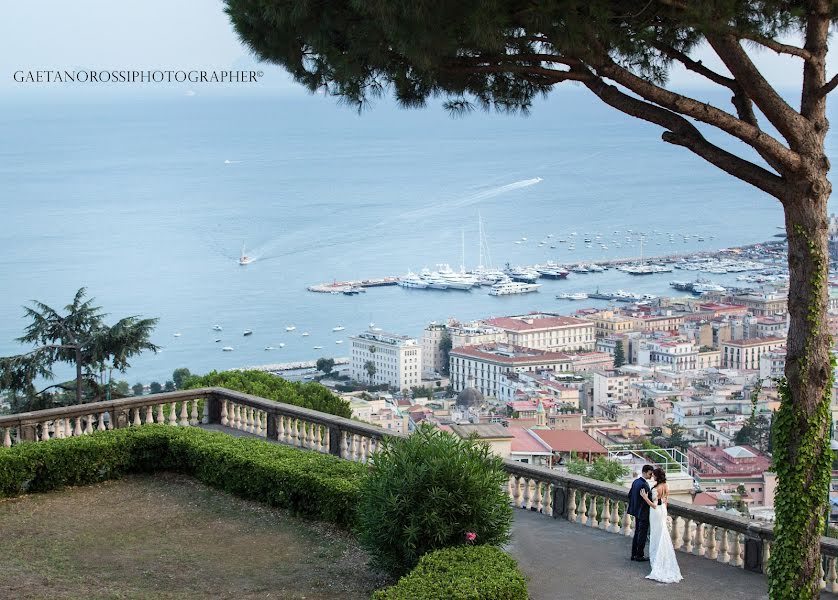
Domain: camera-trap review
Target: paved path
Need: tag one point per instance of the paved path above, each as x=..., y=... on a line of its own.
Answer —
x=570, y=561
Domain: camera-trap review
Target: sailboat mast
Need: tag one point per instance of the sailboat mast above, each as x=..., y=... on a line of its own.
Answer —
x=462, y=250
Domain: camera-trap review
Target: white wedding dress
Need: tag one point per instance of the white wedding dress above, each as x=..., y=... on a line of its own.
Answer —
x=661, y=552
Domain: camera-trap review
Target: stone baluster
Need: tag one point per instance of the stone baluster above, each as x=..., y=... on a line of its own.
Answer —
x=688, y=536
x=516, y=491
x=571, y=504
x=251, y=419
x=284, y=431
x=111, y=419
x=583, y=509
x=699, y=548
x=300, y=434
x=308, y=435
x=160, y=418
x=344, y=444
x=712, y=552
x=173, y=414
x=224, y=420
x=361, y=453
x=100, y=425
x=527, y=497
x=193, y=417
x=674, y=532
x=547, y=500
x=324, y=439
x=832, y=579
x=605, y=514
x=821, y=576
x=592, y=518
x=7, y=437
x=724, y=551
x=149, y=414
x=235, y=409
x=538, y=496
x=136, y=422
x=58, y=428
x=259, y=430
x=184, y=414
x=626, y=529
x=88, y=426
x=77, y=430
x=736, y=550
x=615, y=516
x=45, y=431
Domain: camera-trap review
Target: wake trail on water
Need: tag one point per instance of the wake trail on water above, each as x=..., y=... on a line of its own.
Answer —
x=427, y=211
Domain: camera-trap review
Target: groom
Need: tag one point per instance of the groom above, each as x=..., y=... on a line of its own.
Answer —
x=639, y=509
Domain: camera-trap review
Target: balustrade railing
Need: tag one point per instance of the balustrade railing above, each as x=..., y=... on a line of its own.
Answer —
x=720, y=537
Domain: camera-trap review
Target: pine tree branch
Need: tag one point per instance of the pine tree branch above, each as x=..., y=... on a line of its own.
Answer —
x=791, y=125
x=776, y=154
x=683, y=133
x=829, y=86
x=774, y=45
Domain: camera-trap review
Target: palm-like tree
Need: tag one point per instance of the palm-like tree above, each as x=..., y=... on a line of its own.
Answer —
x=79, y=337
x=369, y=367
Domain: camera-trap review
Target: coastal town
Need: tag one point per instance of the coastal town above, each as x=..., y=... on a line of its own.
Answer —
x=688, y=380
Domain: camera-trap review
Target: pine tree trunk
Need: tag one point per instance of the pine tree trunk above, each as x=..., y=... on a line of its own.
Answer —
x=78, y=376
x=802, y=455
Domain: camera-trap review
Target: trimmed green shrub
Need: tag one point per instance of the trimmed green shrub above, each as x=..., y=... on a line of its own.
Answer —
x=309, y=484
x=428, y=491
x=307, y=395
x=463, y=573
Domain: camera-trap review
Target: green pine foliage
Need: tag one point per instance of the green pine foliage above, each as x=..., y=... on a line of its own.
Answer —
x=307, y=395
x=426, y=492
x=309, y=484
x=461, y=573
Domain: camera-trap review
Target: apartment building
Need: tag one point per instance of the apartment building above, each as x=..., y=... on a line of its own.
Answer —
x=550, y=332
x=397, y=359
x=745, y=354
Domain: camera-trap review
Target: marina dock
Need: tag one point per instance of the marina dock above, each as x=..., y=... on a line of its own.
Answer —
x=339, y=287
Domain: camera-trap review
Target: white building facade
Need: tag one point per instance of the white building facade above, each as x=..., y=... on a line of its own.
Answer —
x=397, y=359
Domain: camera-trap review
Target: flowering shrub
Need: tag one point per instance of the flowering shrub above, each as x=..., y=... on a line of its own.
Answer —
x=428, y=491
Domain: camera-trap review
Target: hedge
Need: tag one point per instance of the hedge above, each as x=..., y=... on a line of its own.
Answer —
x=312, y=485
x=461, y=573
x=307, y=395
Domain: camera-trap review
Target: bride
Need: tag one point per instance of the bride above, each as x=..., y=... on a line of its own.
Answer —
x=661, y=552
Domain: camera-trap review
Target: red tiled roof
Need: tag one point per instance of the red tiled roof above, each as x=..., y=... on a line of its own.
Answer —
x=523, y=441
x=568, y=441
x=526, y=356
x=755, y=341
x=530, y=323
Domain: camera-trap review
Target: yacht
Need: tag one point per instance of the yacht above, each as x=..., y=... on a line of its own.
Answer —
x=247, y=332
x=412, y=280
x=227, y=349
x=306, y=334
x=434, y=281
x=269, y=347
x=455, y=281
x=575, y=296
x=580, y=268
x=552, y=271
x=522, y=274
x=177, y=334
x=216, y=327
x=318, y=347
x=509, y=287
x=338, y=341
x=282, y=345
x=596, y=268
x=244, y=259
x=338, y=328
x=700, y=288
x=290, y=328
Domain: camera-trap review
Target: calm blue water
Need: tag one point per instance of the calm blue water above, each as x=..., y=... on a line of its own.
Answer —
x=133, y=199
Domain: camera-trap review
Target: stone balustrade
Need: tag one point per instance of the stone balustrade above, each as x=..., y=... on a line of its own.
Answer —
x=716, y=536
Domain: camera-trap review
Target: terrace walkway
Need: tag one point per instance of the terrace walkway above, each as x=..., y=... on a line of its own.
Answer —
x=566, y=560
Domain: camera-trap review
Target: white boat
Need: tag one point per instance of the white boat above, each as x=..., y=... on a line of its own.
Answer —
x=700, y=288
x=177, y=334
x=227, y=349
x=522, y=274
x=434, y=281
x=412, y=281
x=510, y=287
x=290, y=328
x=244, y=259
x=318, y=347
x=455, y=281
x=247, y=332
x=338, y=341
x=269, y=347
x=338, y=328
x=216, y=327
x=574, y=296
x=305, y=334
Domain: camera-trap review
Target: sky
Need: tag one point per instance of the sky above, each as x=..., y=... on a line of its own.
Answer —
x=184, y=34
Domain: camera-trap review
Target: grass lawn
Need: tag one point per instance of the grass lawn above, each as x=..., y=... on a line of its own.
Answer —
x=167, y=536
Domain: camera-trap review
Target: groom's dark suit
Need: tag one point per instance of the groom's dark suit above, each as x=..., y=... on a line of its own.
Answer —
x=639, y=509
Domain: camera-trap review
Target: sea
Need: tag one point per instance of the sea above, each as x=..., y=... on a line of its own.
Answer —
x=148, y=200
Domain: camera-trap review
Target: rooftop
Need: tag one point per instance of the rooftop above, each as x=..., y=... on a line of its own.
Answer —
x=535, y=322
x=569, y=441
x=755, y=341
x=509, y=354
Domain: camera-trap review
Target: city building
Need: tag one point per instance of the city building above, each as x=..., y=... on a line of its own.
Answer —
x=498, y=438
x=395, y=359
x=745, y=354
x=609, y=323
x=486, y=364
x=718, y=469
x=547, y=332
x=567, y=444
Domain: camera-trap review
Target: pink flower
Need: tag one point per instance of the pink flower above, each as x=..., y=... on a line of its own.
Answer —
x=471, y=536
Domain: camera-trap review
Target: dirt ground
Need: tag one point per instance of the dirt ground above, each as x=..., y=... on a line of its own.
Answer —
x=170, y=537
